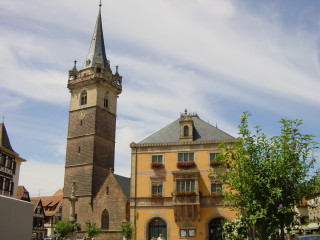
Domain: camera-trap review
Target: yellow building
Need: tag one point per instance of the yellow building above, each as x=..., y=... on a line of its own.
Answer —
x=172, y=191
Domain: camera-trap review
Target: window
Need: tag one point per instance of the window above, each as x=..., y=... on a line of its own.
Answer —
x=79, y=149
x=185, y=131
x=213, y=157
x=105, y=219
x=156, y=189
x=2, y=159
x=6, y=184
x=216, y=187
x=8, y=162
x=107, y=191
x=98, y=70
x=14, y=165
x=83, y=98
x=106, y=102
x=185, y=157
x=214, y=161
x=1, y=182
x=157, y=158
x=185, y=186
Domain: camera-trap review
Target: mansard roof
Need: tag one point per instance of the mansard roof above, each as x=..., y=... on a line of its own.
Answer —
x=97, y=52
x=203, y=131
x=4, y=139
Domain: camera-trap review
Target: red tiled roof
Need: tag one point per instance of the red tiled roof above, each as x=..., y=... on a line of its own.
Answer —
x=54, y=202
x=21, y=191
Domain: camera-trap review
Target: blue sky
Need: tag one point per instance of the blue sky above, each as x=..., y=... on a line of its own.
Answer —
x=217, y=58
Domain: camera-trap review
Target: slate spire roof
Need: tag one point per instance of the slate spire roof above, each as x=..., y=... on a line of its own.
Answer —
x=4, y=139
x=202, y=131
x=97, y=53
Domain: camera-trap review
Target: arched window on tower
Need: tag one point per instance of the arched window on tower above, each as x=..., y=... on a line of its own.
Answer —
x=106, y=101
x=185, y=131
x=105, y=219
x=83, y=97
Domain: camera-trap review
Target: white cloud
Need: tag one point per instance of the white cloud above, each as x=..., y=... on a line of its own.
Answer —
x=41, y=178
x=173, y=54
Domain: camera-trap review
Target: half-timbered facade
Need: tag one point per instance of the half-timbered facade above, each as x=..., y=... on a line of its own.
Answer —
x=10, y=162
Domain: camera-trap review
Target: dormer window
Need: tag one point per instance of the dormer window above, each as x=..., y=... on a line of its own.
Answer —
x=83, y=98
x=185, y=131
x=186, y=127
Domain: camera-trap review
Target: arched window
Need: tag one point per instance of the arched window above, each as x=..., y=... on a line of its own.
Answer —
x=105, y=219
x=83, y=98
x=185, y=131
x=156, y=227
x=106, y=102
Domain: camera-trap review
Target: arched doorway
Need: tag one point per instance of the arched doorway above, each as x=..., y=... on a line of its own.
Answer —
x=157, y=226
x=215, y=229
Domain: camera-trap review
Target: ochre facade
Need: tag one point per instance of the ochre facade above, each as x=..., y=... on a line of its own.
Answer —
x=158, y=202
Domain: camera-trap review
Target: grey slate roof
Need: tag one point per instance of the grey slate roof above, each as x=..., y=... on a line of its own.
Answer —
x=97, y=52
x=203, y=131
x=124, y=183
x=4, y=139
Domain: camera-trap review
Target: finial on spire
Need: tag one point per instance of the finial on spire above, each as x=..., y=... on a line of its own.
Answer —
x=75, y=63
x=117, y=67
x=100, y=4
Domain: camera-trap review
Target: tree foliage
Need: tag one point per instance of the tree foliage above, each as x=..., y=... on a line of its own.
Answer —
x=64, y=227
x=264, y=177
x=126, y=229
x=92, y=229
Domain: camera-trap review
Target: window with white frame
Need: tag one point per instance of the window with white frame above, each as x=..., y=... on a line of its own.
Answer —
x=185, y=186
x=185, y=157
x=157, y=158
x=156, y=189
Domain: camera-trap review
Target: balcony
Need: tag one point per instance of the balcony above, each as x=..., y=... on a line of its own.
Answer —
x=186, y=204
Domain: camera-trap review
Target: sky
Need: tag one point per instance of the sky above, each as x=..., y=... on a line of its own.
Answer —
x=217, y=58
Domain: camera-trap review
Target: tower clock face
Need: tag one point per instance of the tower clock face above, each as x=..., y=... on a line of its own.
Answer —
x=72, y=77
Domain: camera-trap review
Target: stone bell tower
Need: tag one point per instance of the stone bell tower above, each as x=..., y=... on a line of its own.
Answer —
x=90, y=151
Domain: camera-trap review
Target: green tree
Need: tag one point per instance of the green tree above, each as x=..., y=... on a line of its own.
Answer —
x=92, y=229
x=265, y=177
x=126, y=230
x=64, y=227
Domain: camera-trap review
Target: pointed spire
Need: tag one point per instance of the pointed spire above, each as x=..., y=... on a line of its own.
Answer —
x=4, y=139
x=97, y=53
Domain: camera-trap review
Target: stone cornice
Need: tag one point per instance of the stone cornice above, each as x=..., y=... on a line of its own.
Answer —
x=141, y=145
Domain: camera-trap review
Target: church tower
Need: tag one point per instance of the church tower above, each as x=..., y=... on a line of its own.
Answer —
x=90, y=151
